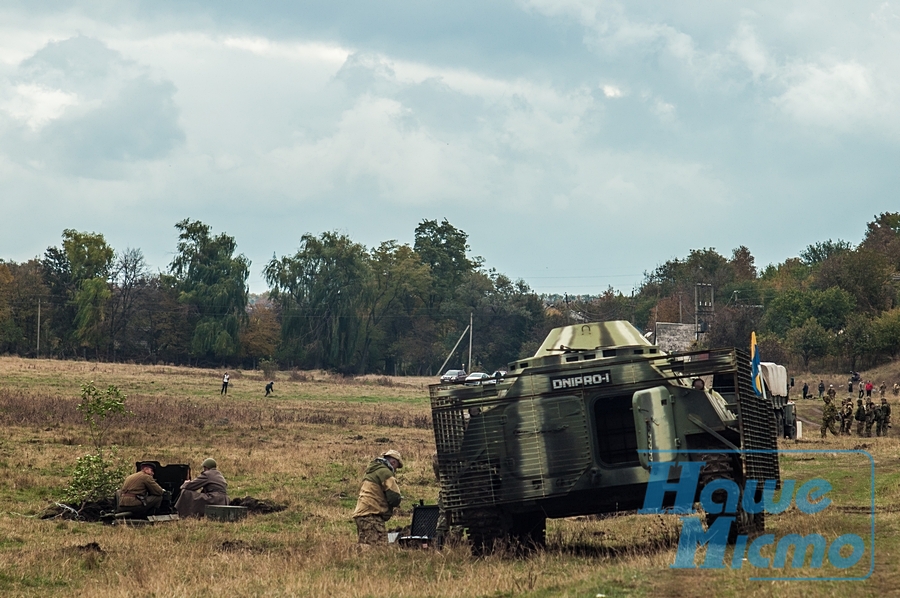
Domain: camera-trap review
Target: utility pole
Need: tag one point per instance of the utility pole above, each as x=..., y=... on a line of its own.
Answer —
x=470, y=342
x=39, y=329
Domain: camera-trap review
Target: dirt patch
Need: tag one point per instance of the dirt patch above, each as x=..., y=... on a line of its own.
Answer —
x=254, y=505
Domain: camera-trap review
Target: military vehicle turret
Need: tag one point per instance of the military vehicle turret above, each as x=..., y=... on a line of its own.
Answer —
x=573, y=431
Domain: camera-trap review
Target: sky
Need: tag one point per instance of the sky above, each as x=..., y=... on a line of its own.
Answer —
x=579, y=143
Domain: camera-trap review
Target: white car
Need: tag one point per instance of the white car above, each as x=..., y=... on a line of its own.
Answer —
x=476, y=378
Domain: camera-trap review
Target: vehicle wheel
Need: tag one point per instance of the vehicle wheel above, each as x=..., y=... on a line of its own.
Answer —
x=487, y=529
x=723, y=466
x=529, y=531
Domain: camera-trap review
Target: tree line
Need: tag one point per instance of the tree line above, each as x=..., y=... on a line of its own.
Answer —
x=399, y=309
x=334, y=304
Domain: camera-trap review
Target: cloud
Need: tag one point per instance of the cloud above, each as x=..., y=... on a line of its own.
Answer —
x=611, y=91
x=81, y=108
x=838, y=97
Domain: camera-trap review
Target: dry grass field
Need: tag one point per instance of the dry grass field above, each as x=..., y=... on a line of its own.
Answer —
x=307, y=447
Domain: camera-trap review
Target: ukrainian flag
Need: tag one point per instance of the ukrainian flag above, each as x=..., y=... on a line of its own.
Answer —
x=754, y=366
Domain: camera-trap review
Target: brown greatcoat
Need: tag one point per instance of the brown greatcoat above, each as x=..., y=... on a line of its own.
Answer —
x=138, y=484
x=208, y=488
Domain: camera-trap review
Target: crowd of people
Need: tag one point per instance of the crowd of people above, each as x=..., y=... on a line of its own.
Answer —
x=867, y=414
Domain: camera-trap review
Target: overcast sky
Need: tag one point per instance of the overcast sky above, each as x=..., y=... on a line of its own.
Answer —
x=577, y=142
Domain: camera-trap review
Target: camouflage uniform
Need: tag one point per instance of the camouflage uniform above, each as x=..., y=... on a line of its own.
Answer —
x=846, y=417
x=829, y=417
x=860, y=417
x=832, y=393
x=884, y=423
x=379, y=495
x=871, y=415
x=882, y=389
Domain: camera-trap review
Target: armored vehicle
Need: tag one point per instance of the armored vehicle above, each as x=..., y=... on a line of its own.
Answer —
x=574, y=429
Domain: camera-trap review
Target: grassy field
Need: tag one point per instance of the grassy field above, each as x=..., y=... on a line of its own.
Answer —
x=307, y=447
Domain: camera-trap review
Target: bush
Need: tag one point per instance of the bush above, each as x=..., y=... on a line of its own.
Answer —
x=268, y=367
x=95, y=478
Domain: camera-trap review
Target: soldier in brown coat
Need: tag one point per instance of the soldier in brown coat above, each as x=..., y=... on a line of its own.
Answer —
x=208, y=488
x=140, y=494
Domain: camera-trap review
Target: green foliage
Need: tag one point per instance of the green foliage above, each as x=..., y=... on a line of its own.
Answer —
x=211, y=279
x=886, y=329
x=819, y=252
x=322, y=291
x=96, y=477
x=268, y=367
x=97, y=407
x=810, y=340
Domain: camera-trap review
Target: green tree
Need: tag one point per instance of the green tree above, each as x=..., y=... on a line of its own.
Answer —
x=864, y=273
x=213, y=281
x=97, y=475
x=886, y=330
x=398, y=279
x=77, y=275
x=322, y=291
x=809, y=341
x=444, y=248
x=819, y=252
x=857, y=339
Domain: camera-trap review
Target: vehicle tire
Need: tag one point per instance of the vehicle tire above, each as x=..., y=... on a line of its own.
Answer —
x=529, y=531
x=487, y=529
x=725, y=466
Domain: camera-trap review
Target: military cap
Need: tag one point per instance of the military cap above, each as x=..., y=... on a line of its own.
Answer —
x=396, y=455
x=209, y=463
x=149, y=464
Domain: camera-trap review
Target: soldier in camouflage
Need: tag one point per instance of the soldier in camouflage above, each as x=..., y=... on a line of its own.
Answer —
x=379, y=495
x=846, y=416
x=884, y=422
x=860, y=417
x=871, y=417
x=830, y=417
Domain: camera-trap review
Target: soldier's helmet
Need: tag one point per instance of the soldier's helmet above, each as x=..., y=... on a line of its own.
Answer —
x=396, y=455
x=883, y=400
x=859, y=401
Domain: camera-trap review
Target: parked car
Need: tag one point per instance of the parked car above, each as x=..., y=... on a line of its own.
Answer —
x=453, y=376
x=496, y=377
x=476, y=378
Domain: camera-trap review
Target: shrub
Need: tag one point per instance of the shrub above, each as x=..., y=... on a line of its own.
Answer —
x=95, y=478
x=268, y=367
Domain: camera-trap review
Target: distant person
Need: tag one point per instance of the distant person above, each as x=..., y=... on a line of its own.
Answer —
x=872, y=415
x=860, y=417
x=884, y=424
x=832, y=393
x=225, y=379
x=379, y=495
x=270, y=387
x=882, y=389
x=821, y=388
x=896, y=389
x=869, y=388
x=208, y=488
x=805, y=390
x=140, y=495
x=850, y=386
x=830, y=417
